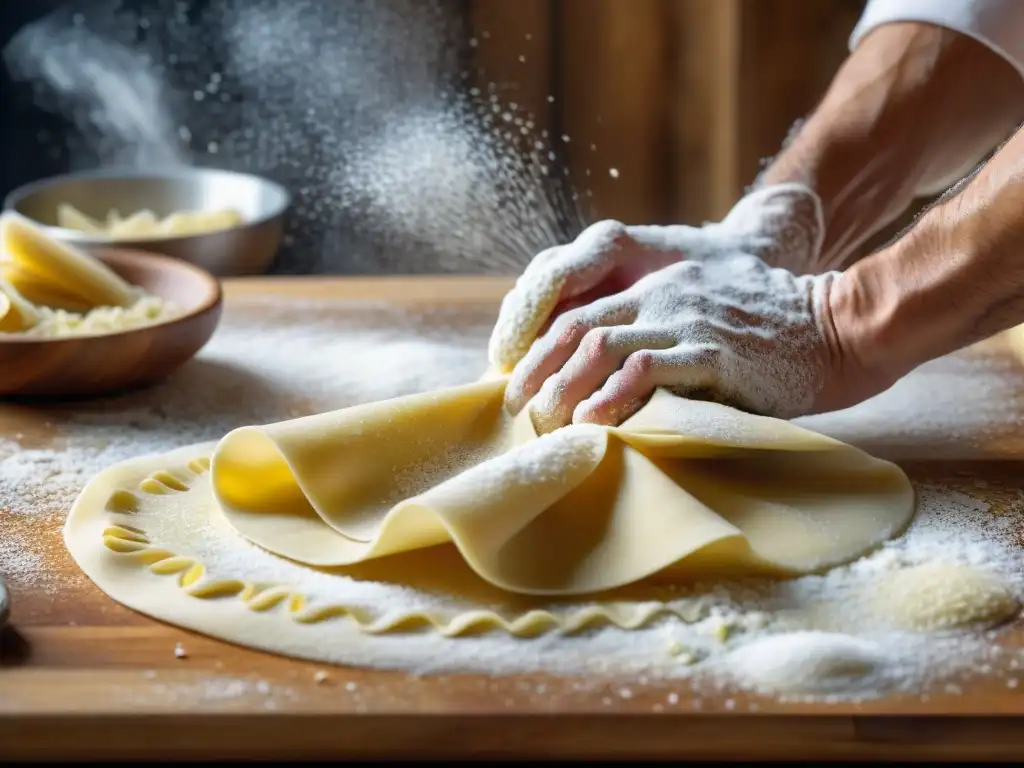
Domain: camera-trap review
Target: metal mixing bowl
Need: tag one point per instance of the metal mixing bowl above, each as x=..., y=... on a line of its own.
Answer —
x=247, y=249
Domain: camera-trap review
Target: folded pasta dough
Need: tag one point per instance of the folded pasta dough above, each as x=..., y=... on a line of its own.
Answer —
x=581, y=510
x=16, y=314
x=50, y=273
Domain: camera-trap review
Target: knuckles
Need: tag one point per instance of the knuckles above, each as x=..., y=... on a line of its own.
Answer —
x=641, y=364
x=541, y=261
x=706, y=356
x=602, y=240
x=570, y=329
x=596, y=343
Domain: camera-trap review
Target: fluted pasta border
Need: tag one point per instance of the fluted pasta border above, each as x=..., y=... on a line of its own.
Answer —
x=132, y=542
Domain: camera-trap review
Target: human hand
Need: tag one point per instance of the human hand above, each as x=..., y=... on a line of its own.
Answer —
x=781, y=224
x=752, y=335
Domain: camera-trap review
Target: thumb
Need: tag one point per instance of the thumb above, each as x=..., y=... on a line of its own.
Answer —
x=784, y=223
x=555, y=277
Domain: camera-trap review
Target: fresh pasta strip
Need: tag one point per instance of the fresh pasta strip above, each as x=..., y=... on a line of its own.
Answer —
x=51, y=273
x=146, y=224
x=16, y=314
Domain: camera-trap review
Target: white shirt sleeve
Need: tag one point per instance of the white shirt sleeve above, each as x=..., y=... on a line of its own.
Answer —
x=998, y=24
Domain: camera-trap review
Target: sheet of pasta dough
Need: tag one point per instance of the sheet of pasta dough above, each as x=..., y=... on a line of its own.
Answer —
x=682, y=488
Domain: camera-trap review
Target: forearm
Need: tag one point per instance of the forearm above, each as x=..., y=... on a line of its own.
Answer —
x=955, y=278
x=913, y=108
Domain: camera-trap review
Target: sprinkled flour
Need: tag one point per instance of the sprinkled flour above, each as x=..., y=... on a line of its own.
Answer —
x=273, y=359
x=398, y=156
x=261, y=366
x=353, y=106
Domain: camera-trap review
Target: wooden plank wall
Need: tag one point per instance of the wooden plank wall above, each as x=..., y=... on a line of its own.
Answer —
x=683, y=98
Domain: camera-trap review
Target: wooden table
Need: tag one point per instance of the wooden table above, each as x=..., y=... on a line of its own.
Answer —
x=82, y=676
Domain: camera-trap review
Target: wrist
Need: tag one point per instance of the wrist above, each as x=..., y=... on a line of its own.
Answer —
x=898, y=308
x=952, y=280
x=863, y=185
x=913, y=109
x=848, y=321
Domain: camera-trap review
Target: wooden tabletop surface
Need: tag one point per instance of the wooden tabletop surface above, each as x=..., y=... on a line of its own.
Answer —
x=81, y=676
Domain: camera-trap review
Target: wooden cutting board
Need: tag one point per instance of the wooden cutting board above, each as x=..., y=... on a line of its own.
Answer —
x=82, y=676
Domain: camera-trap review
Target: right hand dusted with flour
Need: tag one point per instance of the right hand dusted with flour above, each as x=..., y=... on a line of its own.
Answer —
x=781, y=224
x=755, y=336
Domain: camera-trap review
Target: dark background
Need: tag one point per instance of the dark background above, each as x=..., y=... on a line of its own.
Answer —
x=20, y=122
x=35, y=143
x=684, y=98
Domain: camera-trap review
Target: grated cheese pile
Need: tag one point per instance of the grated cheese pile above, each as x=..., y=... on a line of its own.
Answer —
x=59, y=323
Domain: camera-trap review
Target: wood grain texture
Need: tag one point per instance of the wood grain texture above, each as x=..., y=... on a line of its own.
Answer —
x=512, y=49
x=684, y=98
x=706, y=108
x=616, y=97
x=101, y=364
x=82, y=676
x=791, y=49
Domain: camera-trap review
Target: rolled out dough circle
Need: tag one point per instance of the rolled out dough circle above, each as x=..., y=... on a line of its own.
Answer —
x=682, y=488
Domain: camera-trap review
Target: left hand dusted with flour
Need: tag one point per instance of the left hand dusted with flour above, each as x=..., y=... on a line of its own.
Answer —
x=780, y=221
x=756, y=336
x=704, y=313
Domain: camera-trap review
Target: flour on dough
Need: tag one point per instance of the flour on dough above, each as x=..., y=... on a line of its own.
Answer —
x=683, y=490
x=53, y=274
x=580, y=511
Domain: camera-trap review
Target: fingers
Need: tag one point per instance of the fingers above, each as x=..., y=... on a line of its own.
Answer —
x=524, y=310
x=600, y=354
x=684, y=369
x=782, y=224
x=670, y=244
x=587, y=297
x=554, y=277
x=553, y=350
x=543, y=261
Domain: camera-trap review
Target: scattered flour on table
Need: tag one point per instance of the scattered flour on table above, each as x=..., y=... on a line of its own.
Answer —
x=165, y=689
x=830, y=636
x=809, y=660
x=950, y=408
x=270, y=360
x=810, y=637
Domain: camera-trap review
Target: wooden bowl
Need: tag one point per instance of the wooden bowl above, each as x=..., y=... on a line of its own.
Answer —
x=104, y=364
